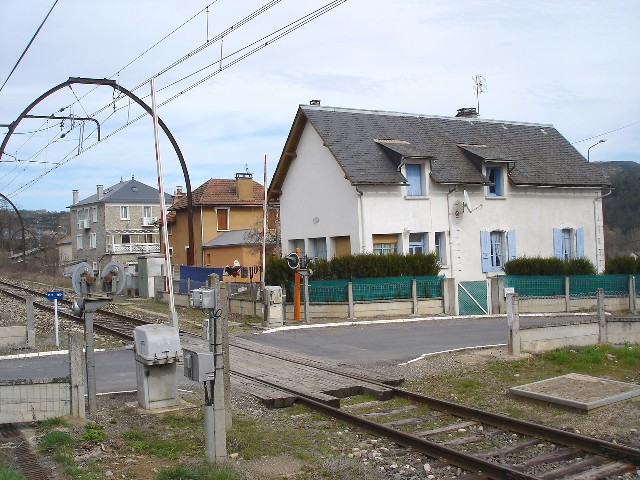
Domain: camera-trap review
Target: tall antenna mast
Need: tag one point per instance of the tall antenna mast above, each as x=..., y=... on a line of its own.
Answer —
x=479, y=86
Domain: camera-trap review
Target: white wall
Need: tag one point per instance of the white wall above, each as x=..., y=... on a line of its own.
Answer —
x=315, y=187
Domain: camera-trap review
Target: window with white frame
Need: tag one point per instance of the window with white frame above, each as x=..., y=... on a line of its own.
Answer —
x=319, y=247
x=416, y=179
x=297, y=243
x=384, y=244
x=441, y=247
x=79, y=242
x=417, y=243
x=146, y=211
x=92, y=240
x=124, y=212
x=94, y=212
x=568, y=243
x=498, y=247
x=495, y=175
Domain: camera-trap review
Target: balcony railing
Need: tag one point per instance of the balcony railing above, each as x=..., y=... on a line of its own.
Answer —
x=121, y=248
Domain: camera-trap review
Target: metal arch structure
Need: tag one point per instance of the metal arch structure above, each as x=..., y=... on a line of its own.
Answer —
x=24, y=243
x=113, y=84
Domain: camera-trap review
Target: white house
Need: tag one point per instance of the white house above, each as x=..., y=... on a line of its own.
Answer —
x=477, y=192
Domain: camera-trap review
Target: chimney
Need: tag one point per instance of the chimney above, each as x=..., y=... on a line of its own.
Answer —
x=178, y=191
x=314, y=102
x=100, y=189
x=244, y=186
x=75, y=197
x=467, y=112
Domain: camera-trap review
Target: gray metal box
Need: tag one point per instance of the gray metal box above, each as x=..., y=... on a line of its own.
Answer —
x=156, y=344
x=203, y=298
x=198, y=366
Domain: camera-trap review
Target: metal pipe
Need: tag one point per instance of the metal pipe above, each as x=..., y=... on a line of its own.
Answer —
x=53, y=117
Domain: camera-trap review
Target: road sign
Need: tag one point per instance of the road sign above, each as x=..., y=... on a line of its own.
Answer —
x=55, y=295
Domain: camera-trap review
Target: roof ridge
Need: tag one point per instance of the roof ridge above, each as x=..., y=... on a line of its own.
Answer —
x=420, y=115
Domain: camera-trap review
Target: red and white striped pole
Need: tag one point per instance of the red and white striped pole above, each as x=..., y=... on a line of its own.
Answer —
x=163, y=220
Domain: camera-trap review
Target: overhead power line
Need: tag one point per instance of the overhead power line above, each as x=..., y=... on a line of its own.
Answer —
x=29, y=45
x=244, y=53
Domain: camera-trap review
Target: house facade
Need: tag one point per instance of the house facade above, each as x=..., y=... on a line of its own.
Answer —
x=225, y=212
x=117, y=223
x=476, y=192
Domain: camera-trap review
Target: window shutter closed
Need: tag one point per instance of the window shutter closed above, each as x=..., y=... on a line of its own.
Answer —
x=557, y=243
x=580, y=242
x=511, y=243
x=485, y=248
x=414, y=178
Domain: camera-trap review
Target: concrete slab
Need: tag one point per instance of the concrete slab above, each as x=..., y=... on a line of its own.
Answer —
x=579, y=391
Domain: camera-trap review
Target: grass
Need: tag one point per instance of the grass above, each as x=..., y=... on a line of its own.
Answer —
x=7, y=472
x=147, y=442
x=205, y=471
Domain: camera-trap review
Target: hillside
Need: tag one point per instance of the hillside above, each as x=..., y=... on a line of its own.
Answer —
x=622, y=208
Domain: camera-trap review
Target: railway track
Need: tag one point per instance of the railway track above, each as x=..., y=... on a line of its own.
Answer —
x=486, y=444
x=114, y=323
x=483, y=444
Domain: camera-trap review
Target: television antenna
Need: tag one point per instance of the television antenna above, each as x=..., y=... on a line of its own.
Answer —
x=479, y=86
x=467, y=203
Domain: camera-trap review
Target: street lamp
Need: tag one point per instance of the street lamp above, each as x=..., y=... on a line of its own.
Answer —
x=602, y=140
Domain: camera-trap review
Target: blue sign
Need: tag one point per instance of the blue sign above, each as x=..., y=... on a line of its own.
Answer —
x=55, y=295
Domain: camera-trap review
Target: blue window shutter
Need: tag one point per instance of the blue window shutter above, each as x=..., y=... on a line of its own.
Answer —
x=498, y=182
x=580, y=242
x=414, y=177
x=485, y=248
x=511, y=243
x=557, y=243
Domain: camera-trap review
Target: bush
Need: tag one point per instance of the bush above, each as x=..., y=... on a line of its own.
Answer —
x=356, y=266
x=549, y=266
x=623, y=265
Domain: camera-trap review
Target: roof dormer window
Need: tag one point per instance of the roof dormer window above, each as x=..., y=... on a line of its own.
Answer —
x=495, y=174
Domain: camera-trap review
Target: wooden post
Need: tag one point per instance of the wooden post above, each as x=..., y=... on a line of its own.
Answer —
x=602, y=322
x=513, y=321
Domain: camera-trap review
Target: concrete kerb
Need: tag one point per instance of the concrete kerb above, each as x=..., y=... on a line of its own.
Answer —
x=39, y=354
x=319, y=324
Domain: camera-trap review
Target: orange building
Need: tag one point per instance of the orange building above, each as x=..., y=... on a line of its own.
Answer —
x=231, y=208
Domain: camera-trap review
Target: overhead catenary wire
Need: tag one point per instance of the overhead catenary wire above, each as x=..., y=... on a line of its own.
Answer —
x=257, y=45
x=28, y=45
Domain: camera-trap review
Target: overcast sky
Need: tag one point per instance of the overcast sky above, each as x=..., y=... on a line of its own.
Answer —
x=569, y=63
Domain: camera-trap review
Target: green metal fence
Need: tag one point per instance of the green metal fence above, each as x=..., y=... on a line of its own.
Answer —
x=370, y=289
x=579, y=285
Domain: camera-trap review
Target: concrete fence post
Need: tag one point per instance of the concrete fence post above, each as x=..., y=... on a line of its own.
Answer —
x=513, y=321
x=31, y=324
x=414, y=296
x=76, y=375
x=602, y=322
x=567, y=294
x=350, y=309
x=449, y=296
x=632, y=294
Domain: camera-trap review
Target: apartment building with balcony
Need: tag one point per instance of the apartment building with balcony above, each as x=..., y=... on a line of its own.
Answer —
x=117, y=223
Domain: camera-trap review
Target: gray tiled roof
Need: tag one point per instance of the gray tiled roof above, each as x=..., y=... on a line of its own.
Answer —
x=236, y=238
x=369, y=145
x=128, y=191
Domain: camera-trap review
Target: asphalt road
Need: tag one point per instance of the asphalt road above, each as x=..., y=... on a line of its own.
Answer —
x=378, y=343
x=390, y=342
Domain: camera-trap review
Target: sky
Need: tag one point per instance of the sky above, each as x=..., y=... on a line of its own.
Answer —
x=572, y=64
